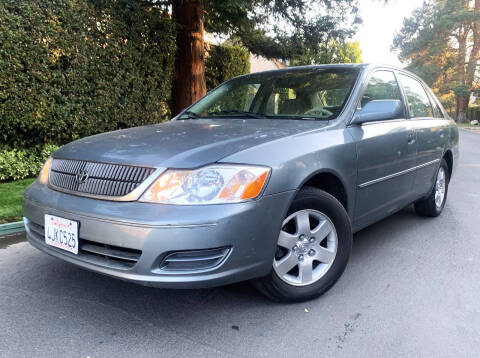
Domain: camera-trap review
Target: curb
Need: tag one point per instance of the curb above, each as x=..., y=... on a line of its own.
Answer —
x=11, y=228
x=471, y=129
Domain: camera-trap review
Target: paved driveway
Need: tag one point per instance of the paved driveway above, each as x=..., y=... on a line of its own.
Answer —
x=412, y=288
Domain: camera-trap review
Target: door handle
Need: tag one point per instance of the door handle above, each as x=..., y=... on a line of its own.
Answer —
x=411, y=137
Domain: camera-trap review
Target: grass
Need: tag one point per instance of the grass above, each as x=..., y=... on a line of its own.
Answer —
x=11, y=200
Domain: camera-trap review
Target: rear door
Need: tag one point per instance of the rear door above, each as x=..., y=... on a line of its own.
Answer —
x=386, y=153
x=431, y=130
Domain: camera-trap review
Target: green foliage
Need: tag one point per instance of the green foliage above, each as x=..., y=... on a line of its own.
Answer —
x=225, y=62
x=11, y=200
x=282, y=28
x=333, y=52
x=441, y=43
x=72, y=68
x=23, y=163
x=461, y=91
x=474, y=113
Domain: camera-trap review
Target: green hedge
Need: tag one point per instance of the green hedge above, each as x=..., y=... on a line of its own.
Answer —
x=23, y=163
x=225, y=62
x=72, y=68
x=473, y=113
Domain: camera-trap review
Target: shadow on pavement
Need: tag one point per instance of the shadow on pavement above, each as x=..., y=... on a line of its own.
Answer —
x=6, y=241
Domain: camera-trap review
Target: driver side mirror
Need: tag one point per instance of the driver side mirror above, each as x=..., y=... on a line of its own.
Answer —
x=379, y=110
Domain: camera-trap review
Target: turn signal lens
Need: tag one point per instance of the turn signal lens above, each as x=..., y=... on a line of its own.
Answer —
x=43, y=176
x=244, y=185
x=214, y=184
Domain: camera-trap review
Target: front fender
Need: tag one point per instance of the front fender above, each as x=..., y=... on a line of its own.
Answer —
x=297, y=158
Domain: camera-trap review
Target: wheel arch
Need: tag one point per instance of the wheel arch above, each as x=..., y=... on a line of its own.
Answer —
x=448, y=156
x=329, y=181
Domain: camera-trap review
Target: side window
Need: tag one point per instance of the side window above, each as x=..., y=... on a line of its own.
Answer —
x=417, y=99
x=382, y=85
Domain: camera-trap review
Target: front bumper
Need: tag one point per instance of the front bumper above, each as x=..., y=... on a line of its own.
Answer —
x=247, y=233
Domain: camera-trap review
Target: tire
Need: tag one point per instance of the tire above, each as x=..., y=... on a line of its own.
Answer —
x=430, y=206
x=325, y=255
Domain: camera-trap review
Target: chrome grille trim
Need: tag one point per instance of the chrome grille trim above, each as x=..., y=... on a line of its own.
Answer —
x=117, y=182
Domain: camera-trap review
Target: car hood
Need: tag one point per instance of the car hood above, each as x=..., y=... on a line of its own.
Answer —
x=182, y=143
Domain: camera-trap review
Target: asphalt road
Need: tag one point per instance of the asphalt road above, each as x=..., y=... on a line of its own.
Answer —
x=411, y=289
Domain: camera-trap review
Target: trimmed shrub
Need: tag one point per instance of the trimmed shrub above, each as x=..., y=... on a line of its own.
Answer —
x=225, y=62
x=72, y=68
x=23, y=163
x=473, y=113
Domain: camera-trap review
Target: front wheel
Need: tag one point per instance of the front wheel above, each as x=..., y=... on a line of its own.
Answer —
x=312, y=249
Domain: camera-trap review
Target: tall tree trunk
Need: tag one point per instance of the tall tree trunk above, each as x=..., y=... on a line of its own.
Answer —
x=189, y=70
x=460, y=110
x=472, y=63
x=461, y=107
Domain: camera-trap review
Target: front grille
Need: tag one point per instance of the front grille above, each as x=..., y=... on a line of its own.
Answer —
x=94, y=178
x=116, y=257
x=194, y=260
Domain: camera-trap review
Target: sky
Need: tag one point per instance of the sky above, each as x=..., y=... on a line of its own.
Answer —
x=380, y=23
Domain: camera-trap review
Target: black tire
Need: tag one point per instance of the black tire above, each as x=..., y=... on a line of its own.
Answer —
x=312, y=198
x=427, y=206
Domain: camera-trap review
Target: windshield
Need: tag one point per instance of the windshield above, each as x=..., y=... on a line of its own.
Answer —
x=315, y=93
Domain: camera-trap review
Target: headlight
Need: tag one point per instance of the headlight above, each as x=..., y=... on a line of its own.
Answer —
x=214, y=184
x=43, y=176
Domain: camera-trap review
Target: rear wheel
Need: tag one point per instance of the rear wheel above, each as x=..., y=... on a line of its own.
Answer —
x=433, y=205
x=312, y=249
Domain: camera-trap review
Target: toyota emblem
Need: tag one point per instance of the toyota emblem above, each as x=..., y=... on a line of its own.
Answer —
x=81, y=176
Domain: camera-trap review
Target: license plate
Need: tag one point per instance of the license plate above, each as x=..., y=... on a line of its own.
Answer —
x=61, y=233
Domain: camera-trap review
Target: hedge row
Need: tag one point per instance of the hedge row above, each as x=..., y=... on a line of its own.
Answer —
x=70, y=68
x=224, y=62
x=23, y=163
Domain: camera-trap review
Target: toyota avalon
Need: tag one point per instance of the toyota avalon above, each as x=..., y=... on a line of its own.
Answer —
x=263, y=179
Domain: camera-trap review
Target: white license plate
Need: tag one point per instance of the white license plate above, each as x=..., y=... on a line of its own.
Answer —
x=61, y=233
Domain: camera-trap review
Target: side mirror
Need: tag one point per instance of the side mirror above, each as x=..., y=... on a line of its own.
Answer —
x=379, y=110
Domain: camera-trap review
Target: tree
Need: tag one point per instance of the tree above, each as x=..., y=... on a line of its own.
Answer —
x=270, y=28
x=441, y=43
x=332, y=52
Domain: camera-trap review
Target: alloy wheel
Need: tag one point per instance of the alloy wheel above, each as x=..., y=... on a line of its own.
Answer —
x=306, y=248
x=440, y=187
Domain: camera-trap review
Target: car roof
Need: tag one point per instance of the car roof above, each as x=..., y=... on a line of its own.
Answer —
x=328, y=66
x=308, y=67
x=365, y=67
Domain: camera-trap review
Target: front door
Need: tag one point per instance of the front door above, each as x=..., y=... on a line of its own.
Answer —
x=386, y=153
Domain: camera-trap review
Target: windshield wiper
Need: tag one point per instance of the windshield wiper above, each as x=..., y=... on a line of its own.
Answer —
x=190, y=114
x=234, y=111
x=298, y=117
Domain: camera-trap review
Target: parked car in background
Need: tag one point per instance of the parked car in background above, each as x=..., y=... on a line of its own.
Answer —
x=264, y=179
